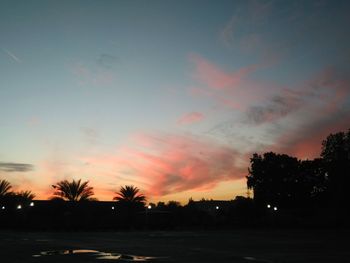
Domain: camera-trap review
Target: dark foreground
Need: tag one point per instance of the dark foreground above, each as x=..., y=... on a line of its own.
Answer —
x=200, y=246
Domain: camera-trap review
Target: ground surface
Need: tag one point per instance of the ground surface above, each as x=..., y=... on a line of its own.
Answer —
x=199, y=246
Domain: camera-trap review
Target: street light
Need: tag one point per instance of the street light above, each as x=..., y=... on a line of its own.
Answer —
x=31, y=204
x=275, y=208
x=3, y=208
x=268, y=206
x=149, y=207
x=217, y=208
x=19, y=207
x=113, y=207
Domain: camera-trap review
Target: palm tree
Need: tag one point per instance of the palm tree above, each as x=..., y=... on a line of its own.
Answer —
x=26, y=195
x=73, y=191
x=130, y=194
x=5, y=188
x=22, y=197
x=129, y=203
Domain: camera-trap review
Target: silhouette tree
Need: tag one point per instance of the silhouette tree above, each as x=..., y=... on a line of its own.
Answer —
x=25, y=195
x=6, y=195
x=73, y=191
x=313, y=182
x=282, y=180
x=129, y=202
x=18, y=198
x=5, y=188
x=336, y=155
x=273, y=178
x=130, y=194
x=173, y=205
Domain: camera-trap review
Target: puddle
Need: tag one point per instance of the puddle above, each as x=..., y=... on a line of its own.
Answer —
x=253, y=259
x=95, y=254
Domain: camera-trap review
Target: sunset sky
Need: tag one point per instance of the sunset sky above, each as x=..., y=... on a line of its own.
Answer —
x=170, y=96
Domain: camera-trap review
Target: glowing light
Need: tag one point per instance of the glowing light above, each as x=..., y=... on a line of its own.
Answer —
x=3, y=208
x=149, y=207
x=275, y=208
x=268, y=206
x=19, y=207
x=113, y=207
x=217, y=208
x=31, y=204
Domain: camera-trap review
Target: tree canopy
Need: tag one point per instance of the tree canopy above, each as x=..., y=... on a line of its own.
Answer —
x=285, y=181
x=336, y=155
x=5, y=187
x=130, y=194
x=73, y=191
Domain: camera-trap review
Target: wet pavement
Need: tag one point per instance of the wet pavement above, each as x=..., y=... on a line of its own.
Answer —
x=93, y=254
x=234, y=246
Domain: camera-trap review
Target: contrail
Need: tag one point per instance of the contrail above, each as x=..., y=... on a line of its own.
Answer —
x=12, y=55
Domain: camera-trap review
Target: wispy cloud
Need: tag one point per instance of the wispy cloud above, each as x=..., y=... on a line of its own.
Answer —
x=324, y=94
x=247, y=18
x=229, y=89
x=171, y=163
x=107, y=60
x=190, y=118
x=16, y=167
x=215, y=77
x=174, y=163
x=11, y=55
x=90, y=134
x=277, y=107
x=320, y=107
x=88, y=76
x=293, y=119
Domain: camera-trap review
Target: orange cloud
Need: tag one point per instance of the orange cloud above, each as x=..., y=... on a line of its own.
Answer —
x=162, y=164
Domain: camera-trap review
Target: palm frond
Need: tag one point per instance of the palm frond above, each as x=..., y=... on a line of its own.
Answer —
x=74, y=190
x=5, y=187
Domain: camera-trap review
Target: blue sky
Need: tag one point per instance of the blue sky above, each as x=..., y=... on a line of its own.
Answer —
x=171, y=96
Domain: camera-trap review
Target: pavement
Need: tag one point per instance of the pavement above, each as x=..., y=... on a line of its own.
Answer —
x=234, y=246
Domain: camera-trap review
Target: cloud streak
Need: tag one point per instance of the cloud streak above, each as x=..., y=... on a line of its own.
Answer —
x=214, y=77
x=16, y=167
x=190, y=118
x=175, y=163
x=87, y=76
x=165, y=163
x=277, y=107
x=11, y=55
x=228, y=89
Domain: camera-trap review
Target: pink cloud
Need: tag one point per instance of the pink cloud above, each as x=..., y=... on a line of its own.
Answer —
x=214, y=77
x=306, y=142
x=190, y=118
x=323, y=111
x=172, y=163
x=228, y=89
x=178, y=163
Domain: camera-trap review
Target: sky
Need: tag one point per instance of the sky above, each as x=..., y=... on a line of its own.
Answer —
x=170, y=96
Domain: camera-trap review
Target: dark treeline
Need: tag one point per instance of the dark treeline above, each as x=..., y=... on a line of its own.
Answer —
x=305, y=187
x=286, y=192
